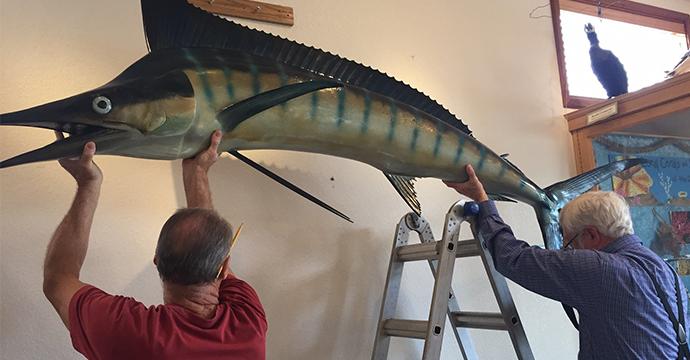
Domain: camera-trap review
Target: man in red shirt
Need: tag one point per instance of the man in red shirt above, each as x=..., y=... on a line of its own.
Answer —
x=208, y=313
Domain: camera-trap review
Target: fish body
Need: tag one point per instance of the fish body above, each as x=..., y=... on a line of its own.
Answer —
x=341, y=120
x=204, y=73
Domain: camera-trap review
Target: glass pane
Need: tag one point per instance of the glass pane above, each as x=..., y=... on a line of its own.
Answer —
x=646, y=53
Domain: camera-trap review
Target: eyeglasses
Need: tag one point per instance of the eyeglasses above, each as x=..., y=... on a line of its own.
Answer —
x=568, y=245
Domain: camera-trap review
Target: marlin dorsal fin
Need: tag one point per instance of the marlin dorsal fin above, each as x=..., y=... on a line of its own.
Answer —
x=178, y=24
x=404, y=185
x=287, y=184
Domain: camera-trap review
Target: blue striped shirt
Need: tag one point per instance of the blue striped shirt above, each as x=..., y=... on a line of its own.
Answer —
x=621, y=316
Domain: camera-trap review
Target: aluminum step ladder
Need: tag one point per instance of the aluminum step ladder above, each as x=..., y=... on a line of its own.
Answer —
x=441, y=256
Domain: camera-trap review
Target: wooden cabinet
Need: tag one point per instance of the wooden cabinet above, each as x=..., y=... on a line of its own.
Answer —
x=662, y=110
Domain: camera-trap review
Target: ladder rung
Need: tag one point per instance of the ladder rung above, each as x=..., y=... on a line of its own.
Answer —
x=423, y=251
x=468, y=248
x=405, y=328
x=479, y=320
x=430, y=250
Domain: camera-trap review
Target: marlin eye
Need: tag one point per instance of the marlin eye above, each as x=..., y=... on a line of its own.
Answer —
x=101, y=105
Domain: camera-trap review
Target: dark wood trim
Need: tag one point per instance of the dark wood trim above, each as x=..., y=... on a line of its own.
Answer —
x=578, y=102
x=558, y=36
x=668, y=21
x=670, y=89
x=646, y=105
x=639, y=9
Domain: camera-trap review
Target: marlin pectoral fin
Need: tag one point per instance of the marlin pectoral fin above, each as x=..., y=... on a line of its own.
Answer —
x=404, y=185
x=499, y=197
x=235, y=114
x=287, y=184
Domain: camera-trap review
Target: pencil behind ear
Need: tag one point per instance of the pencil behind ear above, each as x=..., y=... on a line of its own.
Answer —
x=225, y=266
x=234, y=237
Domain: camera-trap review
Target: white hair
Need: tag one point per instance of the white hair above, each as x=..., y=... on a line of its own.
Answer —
x=605, y=210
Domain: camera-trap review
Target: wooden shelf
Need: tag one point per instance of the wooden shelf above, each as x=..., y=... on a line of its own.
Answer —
x=643, y=106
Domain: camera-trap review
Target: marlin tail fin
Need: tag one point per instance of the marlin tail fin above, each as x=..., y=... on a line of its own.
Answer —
x=561, y=193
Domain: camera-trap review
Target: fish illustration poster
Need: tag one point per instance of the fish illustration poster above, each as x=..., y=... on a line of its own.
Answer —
x=658, y=192
x=663, y=180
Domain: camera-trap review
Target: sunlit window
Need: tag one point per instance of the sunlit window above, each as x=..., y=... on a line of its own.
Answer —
x=646, y=53
x=648, y=40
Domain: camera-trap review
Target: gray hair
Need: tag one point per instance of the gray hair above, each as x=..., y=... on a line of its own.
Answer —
x=605, y=210
x=192, y=246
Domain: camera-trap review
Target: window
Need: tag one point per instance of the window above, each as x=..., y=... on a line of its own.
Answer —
x=648, y=41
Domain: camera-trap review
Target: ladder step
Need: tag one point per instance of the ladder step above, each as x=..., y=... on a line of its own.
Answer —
x=431, y=250
x=467, y=248
x=423, y=251
x=441, y=257
x=479, y=320
x=405, y=328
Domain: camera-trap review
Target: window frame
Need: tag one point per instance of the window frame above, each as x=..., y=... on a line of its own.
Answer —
x=621, y=10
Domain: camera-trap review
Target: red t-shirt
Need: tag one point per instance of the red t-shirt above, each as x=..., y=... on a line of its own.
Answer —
x=103, y=326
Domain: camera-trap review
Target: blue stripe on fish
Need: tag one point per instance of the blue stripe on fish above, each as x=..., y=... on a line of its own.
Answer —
x=437, y=143
x=227, y=73
x=283, y=81
x=367, y=112
x=203, y=76
x=281, y=74
x=314, y=105
x=254, y=71
x=229, y=87
x=394, y=120
x=461, y=148
x=341, y=108
x=415, y=135
x=482, y=157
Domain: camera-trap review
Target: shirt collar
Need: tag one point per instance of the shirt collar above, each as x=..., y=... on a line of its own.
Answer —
x=621, y=243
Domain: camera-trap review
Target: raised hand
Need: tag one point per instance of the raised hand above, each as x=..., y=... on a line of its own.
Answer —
x=472, y=188
x=203, y=160
x=83, y=169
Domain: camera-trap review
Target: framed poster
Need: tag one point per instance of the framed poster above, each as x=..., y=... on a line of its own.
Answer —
x=657, y=191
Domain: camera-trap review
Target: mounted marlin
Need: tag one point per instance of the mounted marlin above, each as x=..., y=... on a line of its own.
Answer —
x=205, y=73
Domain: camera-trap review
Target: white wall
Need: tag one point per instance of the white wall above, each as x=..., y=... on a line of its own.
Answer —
x=320, y=278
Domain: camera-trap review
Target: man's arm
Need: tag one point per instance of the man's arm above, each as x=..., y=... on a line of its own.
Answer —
x=67, y=248
x=195, y=179
x=195, y=175
x=568, y=276
x=573, y=277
